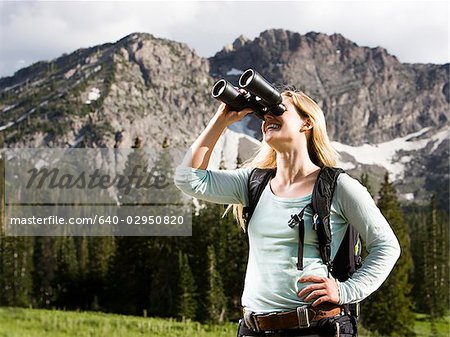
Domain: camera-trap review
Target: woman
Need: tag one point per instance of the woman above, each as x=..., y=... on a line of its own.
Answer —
x=297, y=145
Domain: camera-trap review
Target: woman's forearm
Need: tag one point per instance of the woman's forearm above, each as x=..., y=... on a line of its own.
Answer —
x=200, y=151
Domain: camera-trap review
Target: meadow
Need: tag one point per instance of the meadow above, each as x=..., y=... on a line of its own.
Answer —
x=19, y=322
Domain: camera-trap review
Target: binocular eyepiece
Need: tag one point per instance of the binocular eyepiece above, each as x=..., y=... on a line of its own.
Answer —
x=260, y=96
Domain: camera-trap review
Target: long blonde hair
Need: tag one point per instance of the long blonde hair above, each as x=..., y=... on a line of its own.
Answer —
x=319, y=146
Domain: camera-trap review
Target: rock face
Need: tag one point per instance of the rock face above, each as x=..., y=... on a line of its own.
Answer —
x=143, y=87
x=366, y=94
x=158, y=91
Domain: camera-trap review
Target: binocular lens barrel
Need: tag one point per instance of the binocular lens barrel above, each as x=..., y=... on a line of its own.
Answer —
x=219, y=88
x=246, y=78
x=255, y=83
x=261, y=97
x=227, y=93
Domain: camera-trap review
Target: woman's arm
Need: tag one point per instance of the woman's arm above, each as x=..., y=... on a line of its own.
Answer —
x=218, y=186
x=359, y=209
x=200, y=151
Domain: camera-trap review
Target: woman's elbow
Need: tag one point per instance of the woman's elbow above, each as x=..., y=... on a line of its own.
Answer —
x=178, y=182
x=182, y=184
x=187, y=186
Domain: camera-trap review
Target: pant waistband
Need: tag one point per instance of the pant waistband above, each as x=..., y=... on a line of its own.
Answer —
x=302, y=317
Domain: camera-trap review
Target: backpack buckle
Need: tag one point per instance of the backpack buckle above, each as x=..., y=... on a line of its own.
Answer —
x=295, y=220
x=315, y=217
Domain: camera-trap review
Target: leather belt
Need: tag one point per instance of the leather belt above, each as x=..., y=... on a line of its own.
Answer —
x=303, y=317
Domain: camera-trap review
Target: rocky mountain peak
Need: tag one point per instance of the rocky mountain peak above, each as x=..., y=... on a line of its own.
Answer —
x=240, y=42
x=109, y=95
x=158, y=91
x=366, y=93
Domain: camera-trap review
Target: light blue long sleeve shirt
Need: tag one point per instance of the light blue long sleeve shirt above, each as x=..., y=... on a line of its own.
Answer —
x=271, y=281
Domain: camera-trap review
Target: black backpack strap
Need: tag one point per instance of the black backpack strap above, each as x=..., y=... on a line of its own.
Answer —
x=297, y=219
x=257, y=181
x=321, y=204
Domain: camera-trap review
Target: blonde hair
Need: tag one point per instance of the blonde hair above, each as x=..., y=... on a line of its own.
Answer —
x=319, y=145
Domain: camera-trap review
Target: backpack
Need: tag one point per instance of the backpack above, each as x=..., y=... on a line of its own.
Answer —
x=348, y=257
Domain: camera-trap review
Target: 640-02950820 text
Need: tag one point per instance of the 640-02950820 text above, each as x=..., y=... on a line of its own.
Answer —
x=102, y=219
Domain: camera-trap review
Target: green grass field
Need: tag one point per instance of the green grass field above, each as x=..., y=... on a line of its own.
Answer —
x=16, y=322
x=423, y=327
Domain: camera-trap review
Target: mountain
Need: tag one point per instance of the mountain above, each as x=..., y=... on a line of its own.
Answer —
x=382, y=114
x=106, y=96
x=366, y=93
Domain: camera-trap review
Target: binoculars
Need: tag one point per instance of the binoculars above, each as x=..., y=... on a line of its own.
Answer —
x=260, y=96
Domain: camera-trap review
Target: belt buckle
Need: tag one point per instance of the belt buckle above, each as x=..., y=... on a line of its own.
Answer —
x=303, y=317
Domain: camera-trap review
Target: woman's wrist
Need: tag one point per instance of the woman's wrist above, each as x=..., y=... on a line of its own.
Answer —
x=340, y=291
x=219, y=121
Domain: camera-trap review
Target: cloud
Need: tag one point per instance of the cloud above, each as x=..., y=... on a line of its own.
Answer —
x=413, y=31
x=34, y=31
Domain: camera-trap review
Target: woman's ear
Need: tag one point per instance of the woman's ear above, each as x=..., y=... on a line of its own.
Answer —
x=306, y=126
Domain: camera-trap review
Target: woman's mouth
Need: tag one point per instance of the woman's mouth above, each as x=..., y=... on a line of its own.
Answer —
x=273, y=126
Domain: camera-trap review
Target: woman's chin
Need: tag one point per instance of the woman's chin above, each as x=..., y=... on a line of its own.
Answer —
x=268, y=135
x=270, y=138
x=277, y=142
x=266, y=138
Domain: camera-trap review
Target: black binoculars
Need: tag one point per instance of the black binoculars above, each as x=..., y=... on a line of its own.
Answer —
x=260, y=96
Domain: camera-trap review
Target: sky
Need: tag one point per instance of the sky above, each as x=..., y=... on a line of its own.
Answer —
x=31, y=31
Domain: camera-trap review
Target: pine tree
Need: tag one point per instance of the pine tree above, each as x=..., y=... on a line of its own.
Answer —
x=364, y=180
x=187, y=302
x=82, y=247
x=417, y=220
x=130, y=276
x=17, y=263
x=82, y=256
x=67, y=274
x=389, y=309
x=429, y=235
x=215, y=294
x=436, y=266
x=45, y=268
x=100, y=252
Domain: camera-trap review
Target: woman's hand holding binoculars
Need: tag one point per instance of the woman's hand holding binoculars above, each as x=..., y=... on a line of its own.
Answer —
x=226, y=115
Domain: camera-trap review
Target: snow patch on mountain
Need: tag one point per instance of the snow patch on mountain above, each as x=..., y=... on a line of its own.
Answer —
x=93, y=95
x=388, y=154
x=234, y=147
x=234, y=71
x=231, y=149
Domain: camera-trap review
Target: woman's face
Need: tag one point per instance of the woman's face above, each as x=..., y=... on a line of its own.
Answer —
x=286, y=130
